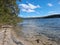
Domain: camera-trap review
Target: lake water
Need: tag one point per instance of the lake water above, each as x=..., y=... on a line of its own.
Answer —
x=49, y=27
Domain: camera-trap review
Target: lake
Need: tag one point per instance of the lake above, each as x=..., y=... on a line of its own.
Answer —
x=49, y=27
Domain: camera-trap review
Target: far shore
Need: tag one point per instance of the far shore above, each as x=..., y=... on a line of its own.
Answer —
x=44, y=17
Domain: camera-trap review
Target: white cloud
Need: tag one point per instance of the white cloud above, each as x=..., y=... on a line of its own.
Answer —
x=29, y=10
x=33, y=6
x=25, y=6
x=49, y=4
x=52, y=12
x=29, y=7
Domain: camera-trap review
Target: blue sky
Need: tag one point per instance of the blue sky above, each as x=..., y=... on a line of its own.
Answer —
x=38, y=8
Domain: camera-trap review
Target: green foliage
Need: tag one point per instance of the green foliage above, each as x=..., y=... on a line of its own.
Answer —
x=9, y=12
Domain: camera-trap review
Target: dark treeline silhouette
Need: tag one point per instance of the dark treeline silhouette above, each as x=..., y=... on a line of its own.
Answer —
x=52, y=16
x=44, y=17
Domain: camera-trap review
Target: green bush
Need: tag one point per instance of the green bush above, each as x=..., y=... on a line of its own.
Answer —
x=9, y=12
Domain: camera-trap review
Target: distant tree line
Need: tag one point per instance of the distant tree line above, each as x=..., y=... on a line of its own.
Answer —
x=9, y=12
x=52, y=16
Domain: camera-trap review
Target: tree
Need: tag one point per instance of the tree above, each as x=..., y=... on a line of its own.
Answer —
x=9, y=12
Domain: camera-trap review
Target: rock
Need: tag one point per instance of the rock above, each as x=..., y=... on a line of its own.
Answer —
x=41, y=40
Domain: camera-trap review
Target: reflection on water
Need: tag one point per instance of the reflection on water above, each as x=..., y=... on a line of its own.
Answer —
x=49, y=27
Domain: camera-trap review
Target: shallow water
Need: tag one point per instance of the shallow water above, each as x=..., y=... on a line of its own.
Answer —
x=49, y=27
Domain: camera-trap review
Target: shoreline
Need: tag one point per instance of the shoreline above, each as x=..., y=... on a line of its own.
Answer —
x=14, y=40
